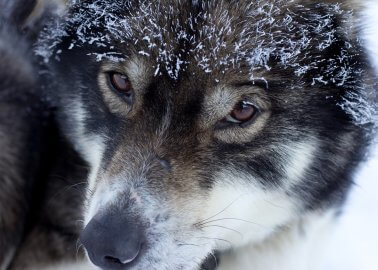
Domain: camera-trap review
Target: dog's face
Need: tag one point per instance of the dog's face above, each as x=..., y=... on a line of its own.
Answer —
x=207, y=125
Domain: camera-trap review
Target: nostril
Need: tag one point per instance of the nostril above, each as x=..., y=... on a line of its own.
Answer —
x=112, y=260
x=127, y=258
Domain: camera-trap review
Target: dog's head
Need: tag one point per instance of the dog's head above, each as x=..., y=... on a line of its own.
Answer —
x=207, y=124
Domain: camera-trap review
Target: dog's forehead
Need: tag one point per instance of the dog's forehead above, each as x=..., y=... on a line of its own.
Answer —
x=222, y=37
x=187, y=48
x=311, y=43
x=196, y=41
x=214, y=37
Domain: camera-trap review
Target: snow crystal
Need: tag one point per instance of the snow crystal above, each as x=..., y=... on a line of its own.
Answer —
x=266, y=34
x=357, y=104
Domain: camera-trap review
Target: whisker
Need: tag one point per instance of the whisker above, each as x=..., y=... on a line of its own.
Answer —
x=223, y=227
x=237, y=219
x=276, y=205
x=218, y=239
x=60, y=192
x=188, y=244
x=78, y=247
x=80, y=223
x=68, y=181
x=220, y=212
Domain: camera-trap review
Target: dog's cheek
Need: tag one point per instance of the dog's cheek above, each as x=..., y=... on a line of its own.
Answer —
x=237, y=214
x=240, y=209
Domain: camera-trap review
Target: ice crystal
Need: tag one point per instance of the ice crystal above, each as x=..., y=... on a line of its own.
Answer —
x=263, y=35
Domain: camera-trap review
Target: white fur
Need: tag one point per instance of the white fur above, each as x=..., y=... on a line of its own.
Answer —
x=105, y=194
x=90, y=147
x=246, y=212
x=245, y=215
x=300, y=157
x=299, y=247
x=369, y=30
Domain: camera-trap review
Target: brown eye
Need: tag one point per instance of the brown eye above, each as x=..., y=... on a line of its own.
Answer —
x=121, y=84
x=242, y=113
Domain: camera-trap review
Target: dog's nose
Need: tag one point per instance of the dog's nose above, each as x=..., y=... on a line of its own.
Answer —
x=112, y=242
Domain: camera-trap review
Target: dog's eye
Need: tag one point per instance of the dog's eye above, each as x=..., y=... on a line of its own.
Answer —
x=121, y=84
x=243, y=112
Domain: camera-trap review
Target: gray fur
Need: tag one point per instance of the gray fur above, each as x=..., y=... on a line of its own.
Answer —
x=166, y=160
x=33, y=183
x=16, y=133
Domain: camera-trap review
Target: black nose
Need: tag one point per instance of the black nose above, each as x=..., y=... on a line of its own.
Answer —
x=112, y=242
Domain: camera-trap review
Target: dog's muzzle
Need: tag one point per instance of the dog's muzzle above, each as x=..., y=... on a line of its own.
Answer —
x=112, y=242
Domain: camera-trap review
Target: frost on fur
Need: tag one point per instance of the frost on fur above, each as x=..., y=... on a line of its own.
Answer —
x=283, y=33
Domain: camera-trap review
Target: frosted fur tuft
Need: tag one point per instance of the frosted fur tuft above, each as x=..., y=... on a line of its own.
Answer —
x=284, y=35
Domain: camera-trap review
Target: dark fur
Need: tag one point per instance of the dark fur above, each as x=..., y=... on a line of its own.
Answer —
x=295, y=102
x=20, y=127
x=298, y=110
x=34, y=158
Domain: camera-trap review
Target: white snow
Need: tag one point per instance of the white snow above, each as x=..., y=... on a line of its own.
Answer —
x=354, y=246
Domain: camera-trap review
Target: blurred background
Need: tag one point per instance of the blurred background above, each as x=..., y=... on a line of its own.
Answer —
x=354, y=245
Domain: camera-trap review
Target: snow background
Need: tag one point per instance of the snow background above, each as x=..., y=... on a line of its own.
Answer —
x=354, y=246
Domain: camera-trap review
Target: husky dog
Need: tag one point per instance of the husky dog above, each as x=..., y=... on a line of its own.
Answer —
x=228, y=126
x=218, y=131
